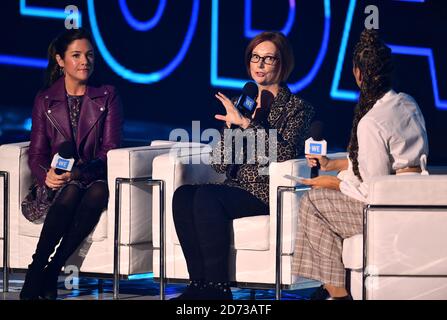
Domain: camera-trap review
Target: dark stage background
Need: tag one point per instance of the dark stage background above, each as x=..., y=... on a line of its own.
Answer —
x=174, y=97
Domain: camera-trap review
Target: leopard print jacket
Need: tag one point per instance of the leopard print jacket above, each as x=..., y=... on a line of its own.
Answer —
x=246, y=164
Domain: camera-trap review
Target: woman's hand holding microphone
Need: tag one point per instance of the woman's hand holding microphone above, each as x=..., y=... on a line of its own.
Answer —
x=56, y=181
x=313, y=160
x=328, y=182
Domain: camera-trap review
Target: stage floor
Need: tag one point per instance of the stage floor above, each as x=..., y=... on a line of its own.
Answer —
x=137, y=289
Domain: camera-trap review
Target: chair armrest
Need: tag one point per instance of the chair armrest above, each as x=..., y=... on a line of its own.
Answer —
x=186, y=166
x=136, y=200
x=408, y=190
x=406, y=223
x=277, y=170
x=14, y=160
x=290, y=200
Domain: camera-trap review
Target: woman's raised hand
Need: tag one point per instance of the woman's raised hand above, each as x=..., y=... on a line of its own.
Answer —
x=233, y=115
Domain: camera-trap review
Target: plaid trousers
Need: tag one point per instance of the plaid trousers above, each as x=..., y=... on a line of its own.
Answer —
x=326, y=217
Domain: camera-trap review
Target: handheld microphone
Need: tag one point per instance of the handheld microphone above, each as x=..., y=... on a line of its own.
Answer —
x=266, y=100
x=246, y=104
x=62, y=162
x=316, y=145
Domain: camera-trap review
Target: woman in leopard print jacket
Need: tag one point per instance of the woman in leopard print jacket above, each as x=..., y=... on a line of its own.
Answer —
x=276, y=132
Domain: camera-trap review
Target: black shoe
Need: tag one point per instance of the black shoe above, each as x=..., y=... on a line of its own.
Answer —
x=192, y=292
x=49, y=286
x=347, y=297
x=216, y=291
x=33, y=284
x=320, y=294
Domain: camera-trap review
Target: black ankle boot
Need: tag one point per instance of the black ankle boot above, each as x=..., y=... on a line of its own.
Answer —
x=192, y=292
x=216, y=291
x=320, y=294
x=33, y=283
x=49, y=286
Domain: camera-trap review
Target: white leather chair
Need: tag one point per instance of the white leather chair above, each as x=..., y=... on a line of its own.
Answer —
x=405, y=240
x=253, y=253
x=95, y=256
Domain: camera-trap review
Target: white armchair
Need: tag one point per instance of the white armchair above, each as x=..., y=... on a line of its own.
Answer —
x=405, y=256
x=95, y=256
x=253, y=253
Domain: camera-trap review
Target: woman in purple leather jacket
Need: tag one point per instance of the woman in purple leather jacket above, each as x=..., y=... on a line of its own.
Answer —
x=69, y=109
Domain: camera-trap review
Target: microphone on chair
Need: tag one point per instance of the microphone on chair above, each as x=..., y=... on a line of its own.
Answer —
x=316, y=145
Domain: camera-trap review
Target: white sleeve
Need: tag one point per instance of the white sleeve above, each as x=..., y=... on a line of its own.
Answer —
x=373, y=159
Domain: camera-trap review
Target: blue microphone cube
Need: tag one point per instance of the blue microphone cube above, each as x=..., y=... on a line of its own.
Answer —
x=62, y=164
x=315, y=148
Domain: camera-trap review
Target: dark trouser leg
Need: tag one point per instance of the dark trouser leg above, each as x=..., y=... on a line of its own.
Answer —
x=183, y=215
x=215, y=206
x=86, y=218
x=59, y=217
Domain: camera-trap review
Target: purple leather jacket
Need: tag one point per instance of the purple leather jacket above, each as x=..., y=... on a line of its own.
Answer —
x=99, y=130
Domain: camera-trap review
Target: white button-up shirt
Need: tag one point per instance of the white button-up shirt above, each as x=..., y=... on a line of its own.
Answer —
x=391, y=136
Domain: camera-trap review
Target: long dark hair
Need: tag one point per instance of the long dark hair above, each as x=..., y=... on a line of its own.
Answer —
x=59, y=46
x=374, y=60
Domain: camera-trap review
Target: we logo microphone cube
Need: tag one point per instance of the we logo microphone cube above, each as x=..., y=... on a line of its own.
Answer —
x=315, y=147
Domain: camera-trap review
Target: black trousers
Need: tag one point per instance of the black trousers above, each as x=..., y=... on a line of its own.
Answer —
x=202, y=216
x=72, y=217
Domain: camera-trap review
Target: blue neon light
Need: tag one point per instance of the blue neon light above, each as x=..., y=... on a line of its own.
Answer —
x=23, y=61
x=136, y=76
x=424, y=52
x=336, y=93
x=417, y=1
x=250, y=33
x=307, y=80
x=139, y=25
x=40, y=12
x=233, y=83
x=141, y=276
x=349, y=95
x=27, y=124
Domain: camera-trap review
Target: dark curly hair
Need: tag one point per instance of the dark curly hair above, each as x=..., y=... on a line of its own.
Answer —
x=374, y=60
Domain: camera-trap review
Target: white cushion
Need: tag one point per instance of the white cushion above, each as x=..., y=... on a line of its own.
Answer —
x=251, y=233
x=353, y=252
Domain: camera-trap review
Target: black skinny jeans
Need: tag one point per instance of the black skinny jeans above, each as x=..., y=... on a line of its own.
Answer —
x=202, y=216
x=72, y=217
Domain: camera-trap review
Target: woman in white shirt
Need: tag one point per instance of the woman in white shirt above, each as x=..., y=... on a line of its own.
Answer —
x=388, y=136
